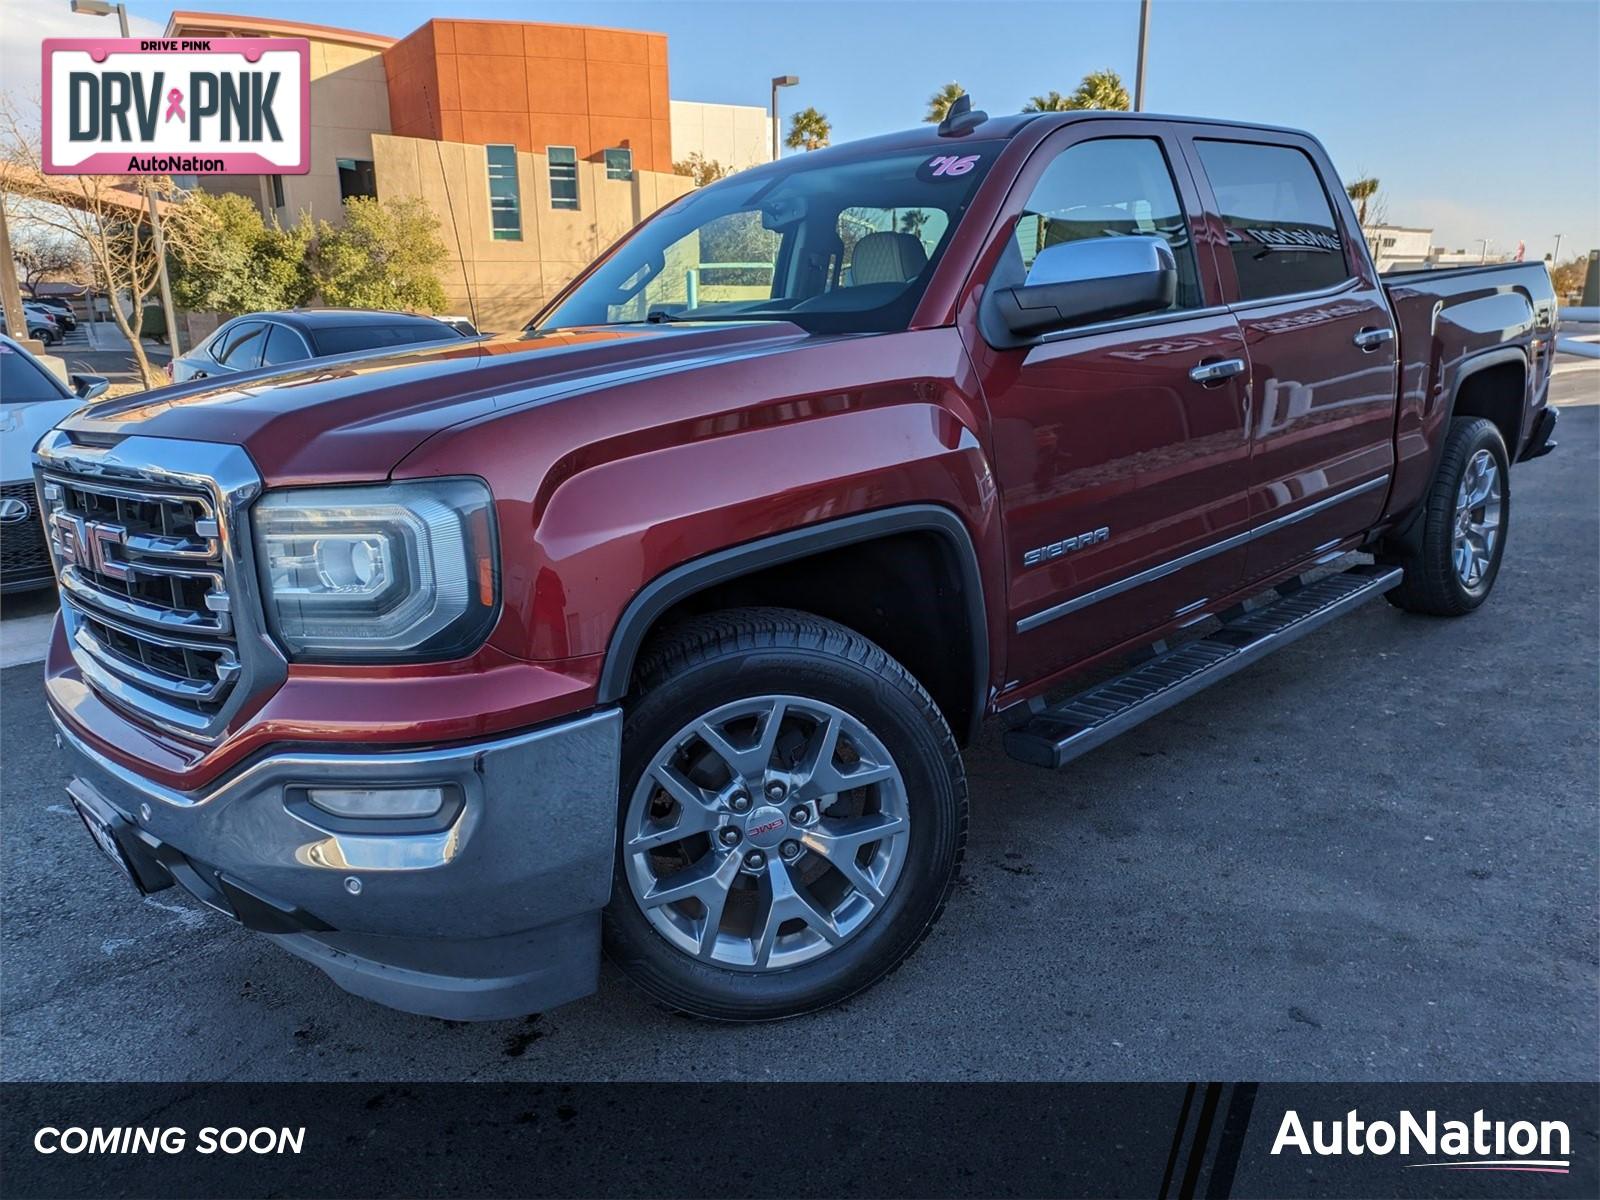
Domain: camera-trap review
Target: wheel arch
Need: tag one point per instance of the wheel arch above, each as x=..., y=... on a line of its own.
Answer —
x=959, y=686
x=1494, y=385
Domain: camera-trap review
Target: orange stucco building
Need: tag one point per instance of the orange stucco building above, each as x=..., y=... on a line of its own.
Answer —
x=534, y=145
x=532, y=86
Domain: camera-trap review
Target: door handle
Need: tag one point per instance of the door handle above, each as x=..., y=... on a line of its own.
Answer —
x=1215, y=372
x=1370, y=339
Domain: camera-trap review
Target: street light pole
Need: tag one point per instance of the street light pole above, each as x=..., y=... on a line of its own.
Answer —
x=1555, y=259
x=779, y=81
x=102, y=8
x=1144, y=36
x=1483, y=251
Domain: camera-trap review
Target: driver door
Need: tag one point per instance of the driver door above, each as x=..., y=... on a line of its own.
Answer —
x=1124, y=477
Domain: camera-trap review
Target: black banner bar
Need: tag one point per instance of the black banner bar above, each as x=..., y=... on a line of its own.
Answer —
x=893, y=1140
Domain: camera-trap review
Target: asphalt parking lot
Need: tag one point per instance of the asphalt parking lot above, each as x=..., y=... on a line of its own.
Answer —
x=1372, y=856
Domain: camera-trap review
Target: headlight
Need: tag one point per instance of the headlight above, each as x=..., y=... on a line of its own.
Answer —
x=402, y=571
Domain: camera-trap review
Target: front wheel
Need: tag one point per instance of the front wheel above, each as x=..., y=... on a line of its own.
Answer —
x=1453, y=565
x=793, y=814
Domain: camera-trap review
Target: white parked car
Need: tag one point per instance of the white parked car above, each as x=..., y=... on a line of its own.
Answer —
x=32, y=400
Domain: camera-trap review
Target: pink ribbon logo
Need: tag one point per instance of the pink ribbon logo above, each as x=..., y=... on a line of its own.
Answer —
x=175, y=105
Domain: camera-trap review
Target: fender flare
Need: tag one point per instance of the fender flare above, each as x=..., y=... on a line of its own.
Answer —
x=1408, y=531
x=721, y=566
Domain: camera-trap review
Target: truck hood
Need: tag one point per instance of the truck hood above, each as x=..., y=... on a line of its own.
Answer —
x=356, y=416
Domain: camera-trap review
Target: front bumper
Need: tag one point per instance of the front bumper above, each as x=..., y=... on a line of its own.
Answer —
x=497, y=914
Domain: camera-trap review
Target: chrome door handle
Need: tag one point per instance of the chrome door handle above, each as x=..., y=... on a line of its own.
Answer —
x=1216, y=372
x=1370, y=339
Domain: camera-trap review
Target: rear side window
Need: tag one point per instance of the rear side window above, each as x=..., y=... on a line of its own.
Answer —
x=242, y=350
x=1112, y=187
x=284, y=345
x=347, y=339
x=1281, y=231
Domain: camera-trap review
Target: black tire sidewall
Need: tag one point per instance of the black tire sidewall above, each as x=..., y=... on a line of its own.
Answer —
x=1467, y=439
x=899, y=716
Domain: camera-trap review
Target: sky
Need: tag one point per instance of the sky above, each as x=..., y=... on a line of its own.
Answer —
x=1481, y=118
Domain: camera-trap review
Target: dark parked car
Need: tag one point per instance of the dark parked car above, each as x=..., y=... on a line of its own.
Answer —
x=280, y=338
x=59, y=308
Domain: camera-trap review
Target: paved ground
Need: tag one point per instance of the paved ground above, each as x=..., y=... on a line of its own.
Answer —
x=1373, y=856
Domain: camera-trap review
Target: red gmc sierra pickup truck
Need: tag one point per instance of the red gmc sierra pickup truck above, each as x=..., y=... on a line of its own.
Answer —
x=659, y=625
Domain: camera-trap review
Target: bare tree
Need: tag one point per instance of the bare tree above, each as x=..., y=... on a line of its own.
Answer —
x=41, y=255
x=104, y=214
x=701, y=169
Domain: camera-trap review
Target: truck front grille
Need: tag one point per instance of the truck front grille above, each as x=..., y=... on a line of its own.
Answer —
x=151, y=559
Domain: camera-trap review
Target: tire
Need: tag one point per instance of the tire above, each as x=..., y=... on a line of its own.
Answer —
x=1450, y=569
x=726, y=674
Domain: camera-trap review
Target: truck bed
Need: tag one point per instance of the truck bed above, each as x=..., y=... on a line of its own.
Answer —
x=1453, y=323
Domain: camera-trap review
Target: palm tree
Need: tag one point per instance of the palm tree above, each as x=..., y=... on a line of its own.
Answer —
x=1103, y=90
x=1360, y=192
x=1051, y=101
x=808, y=130
x=939, y=103
x=1099, y=89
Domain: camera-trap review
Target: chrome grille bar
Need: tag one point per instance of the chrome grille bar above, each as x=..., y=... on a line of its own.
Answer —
x=151, y=555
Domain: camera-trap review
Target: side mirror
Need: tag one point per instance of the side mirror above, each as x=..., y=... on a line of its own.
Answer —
x=1094, y=279
x=87, y=387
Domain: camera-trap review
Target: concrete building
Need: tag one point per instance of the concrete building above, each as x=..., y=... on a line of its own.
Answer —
x=1398, y=247
x=536, y=146
x=735, y=135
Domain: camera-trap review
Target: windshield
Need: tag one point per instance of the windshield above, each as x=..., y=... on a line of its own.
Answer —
x=836, y=246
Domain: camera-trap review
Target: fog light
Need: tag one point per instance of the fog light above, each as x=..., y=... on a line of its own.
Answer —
x=409, y=802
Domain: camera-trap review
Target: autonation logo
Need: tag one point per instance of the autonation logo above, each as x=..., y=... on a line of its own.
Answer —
x=1476, y=1145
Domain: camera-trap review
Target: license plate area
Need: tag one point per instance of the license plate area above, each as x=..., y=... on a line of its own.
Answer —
x=117, y=839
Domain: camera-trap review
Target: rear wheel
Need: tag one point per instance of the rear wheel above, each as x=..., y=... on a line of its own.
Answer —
x=1453, y=565
x=793, y=813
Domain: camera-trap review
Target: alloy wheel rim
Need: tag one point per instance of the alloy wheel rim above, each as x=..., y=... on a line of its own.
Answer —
x=766, y=833
x=1479, y=509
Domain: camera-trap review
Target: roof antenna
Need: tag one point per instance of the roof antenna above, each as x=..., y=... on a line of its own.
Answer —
x=961, y=118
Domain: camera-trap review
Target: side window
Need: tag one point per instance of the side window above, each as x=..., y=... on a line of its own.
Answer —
x=214, y=345
x=243, y=349
x=1112, y=187
x=505, y=194
x=1281, y=231
x=357, y=178
x=563, y=162
x=284, y=345
x=619, y=163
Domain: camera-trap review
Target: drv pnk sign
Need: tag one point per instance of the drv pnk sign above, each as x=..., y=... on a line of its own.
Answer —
x=177, y=106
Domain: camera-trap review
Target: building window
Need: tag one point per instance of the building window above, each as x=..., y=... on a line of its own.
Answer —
x=356, y=178
x=563, y=176
x=277, y=190
x=505, y=197
x=619, y=164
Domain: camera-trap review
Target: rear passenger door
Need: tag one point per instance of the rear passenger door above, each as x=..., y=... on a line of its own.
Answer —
x=1319, y=337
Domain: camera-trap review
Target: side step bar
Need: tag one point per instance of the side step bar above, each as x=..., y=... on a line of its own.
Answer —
x=1055, y=736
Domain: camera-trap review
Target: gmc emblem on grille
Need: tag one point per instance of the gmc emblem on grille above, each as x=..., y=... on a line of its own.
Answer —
x=87, y=544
